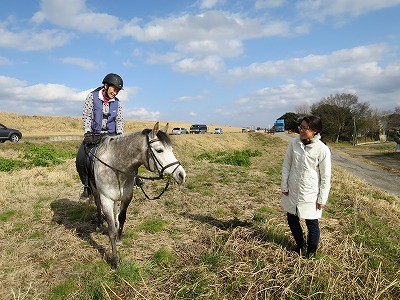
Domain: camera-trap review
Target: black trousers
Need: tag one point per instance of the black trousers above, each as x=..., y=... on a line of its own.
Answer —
x=80, y=163
x=297, y=232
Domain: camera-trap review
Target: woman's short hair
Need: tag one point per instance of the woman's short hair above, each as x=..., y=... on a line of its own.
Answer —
x=313, y=122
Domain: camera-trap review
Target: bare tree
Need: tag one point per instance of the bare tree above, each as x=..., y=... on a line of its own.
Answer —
x=303, y=109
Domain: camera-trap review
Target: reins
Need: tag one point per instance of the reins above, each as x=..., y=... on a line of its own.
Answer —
x=151, y=154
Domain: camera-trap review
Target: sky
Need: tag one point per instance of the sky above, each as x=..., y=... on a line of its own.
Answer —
x=226, y=62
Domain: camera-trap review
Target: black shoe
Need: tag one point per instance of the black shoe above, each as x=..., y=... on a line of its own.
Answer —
x=85, y=194
x=311, y=255
x=298, y=249
x=138, y=182
x=311, y=252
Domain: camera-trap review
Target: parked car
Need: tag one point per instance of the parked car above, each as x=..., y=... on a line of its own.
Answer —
x=218, y=131
x=198, y=128
x=179, y=130
x=13, y=135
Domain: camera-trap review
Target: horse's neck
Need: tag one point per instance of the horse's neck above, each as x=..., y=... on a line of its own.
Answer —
x=128, y=150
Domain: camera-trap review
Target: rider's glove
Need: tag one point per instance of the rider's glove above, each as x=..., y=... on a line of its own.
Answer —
x=91, y=139
x=87, y=138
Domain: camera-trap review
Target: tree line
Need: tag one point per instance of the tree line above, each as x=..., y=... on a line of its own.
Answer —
x=345, y=118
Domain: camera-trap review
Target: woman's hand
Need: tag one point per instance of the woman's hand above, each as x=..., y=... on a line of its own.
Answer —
x=320, y=206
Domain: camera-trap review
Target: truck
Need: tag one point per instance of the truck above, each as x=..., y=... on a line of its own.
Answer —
x=279, y=125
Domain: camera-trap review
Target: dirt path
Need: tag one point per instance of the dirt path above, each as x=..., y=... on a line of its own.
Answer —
x=377, y=177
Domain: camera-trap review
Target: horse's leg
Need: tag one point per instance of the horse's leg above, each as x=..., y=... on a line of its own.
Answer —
x=98, y=208
x=122, y=217
x=108, y=210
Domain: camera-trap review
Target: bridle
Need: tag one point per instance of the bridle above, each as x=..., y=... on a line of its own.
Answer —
x=150, y=153
x=161, y=170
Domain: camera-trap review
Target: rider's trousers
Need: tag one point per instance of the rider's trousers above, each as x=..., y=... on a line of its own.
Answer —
x=80, y=164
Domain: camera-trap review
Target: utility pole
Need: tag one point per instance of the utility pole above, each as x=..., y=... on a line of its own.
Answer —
x=354, y=132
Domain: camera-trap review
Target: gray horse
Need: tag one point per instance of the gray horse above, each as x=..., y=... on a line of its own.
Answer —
x=116, y=163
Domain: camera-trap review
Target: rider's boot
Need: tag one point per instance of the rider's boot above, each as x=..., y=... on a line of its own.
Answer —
x=85, y=181
x=138, y=182
x=85, y=194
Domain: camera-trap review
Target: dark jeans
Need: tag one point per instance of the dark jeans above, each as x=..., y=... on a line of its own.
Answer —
x=80, y=163
x=297, y=232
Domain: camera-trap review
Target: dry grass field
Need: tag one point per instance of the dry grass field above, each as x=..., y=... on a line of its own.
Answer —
x=44, y=126
x=223, y=235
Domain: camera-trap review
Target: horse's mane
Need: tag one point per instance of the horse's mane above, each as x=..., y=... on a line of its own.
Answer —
x=161, y=135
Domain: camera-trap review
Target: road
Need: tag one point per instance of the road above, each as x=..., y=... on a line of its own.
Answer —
x=373, y=175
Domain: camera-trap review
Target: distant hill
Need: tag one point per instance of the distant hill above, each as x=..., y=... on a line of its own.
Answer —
x=40, y=125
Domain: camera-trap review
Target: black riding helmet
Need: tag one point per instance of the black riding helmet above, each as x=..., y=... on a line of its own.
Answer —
x=114, y=79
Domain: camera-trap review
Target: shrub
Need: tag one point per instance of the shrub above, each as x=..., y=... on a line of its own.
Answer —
x=36, y=155
x=236, y=158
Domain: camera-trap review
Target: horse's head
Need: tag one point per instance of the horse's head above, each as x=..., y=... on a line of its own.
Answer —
x=161, y=158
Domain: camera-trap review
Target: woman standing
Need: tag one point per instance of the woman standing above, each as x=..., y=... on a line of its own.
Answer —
x=102, y=115
x=306, y=176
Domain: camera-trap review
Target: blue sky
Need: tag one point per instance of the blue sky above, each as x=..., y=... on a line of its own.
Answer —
x=226, y=62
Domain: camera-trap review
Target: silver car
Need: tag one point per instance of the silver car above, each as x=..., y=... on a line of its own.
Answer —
x=218, y=131
x=179, y=130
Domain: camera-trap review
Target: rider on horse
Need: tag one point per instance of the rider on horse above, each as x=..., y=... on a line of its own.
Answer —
x=102, y=115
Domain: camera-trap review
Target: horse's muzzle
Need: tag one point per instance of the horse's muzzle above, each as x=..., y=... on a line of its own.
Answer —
x=179, y=175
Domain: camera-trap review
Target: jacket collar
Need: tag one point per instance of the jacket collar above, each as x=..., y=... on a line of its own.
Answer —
x=314, y=140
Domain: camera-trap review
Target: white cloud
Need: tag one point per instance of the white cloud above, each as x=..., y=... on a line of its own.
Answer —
x=207, y=4
x=369, y=77
x=4, y=61
x=373, y=84
x=128, y=63
x=265, y=4
x=210, y=25
x=141, y=114
x=169, y=58
x=207, y=34
x=57, y=99
x=136, y=52
x=231, y=48
x=243, y=100
x=80, y=62
x=189, y=98
x=322, y=9
x=210, y=64
x=31, y=40
x=127, y=94
x=312, y=62
x=75, y=15
x=53, y=99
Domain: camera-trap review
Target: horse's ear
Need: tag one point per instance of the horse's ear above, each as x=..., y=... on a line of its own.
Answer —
x=155, y=130
x=165, y=128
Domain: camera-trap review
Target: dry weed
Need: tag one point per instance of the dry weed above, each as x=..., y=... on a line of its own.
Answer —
x=224, y=232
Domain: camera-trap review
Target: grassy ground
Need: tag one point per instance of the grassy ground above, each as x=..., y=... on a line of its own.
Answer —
x=45, y=126
x=221, y=236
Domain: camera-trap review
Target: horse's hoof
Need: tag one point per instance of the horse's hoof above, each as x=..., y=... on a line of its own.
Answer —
x=118, y=242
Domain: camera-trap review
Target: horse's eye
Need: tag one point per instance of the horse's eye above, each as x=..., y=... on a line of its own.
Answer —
x=159, y=150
